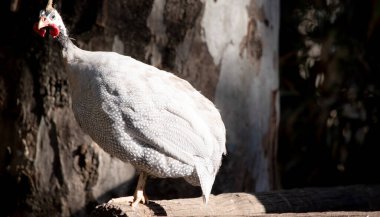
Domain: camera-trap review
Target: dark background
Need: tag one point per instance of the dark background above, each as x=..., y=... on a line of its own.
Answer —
x=329, y=132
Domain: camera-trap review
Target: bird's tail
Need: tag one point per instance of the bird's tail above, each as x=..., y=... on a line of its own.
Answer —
x=205, y=199
x=206, y=177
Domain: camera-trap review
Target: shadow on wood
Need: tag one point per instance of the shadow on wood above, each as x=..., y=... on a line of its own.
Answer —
x=359, y=199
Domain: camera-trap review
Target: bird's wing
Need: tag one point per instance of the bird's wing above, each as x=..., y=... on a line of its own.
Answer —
x=167, y=113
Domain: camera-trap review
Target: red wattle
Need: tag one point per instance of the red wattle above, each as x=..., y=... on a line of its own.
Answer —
x=41, y=32
x=54, y=30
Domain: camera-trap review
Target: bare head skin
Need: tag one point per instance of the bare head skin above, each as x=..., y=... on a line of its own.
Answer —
x=51, y=21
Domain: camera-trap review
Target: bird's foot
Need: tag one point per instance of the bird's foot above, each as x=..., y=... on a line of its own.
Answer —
x=139, y=197
x=122, y=200
x=134, y=201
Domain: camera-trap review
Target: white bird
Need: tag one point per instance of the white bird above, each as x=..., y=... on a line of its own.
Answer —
x=149, y=117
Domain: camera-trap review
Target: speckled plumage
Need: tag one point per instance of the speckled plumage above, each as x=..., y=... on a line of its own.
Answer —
x=142, y=115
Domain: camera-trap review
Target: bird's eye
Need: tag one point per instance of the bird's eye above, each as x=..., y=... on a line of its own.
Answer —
x=53, y=17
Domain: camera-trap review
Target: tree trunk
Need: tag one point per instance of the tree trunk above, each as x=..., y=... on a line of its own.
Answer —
x=245, y=47
x=51, y=168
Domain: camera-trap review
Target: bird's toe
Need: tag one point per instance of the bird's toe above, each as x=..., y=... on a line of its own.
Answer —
x=122, y=200
x=139, y=196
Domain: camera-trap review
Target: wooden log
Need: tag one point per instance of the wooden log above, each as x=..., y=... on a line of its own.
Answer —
x=362, y=200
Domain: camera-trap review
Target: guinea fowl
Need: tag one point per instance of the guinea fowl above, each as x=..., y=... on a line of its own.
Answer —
x=142, y=115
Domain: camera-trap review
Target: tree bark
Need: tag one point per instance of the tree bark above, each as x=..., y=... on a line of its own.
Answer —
x=51, y=168
x=302, y=201
x=245, y=48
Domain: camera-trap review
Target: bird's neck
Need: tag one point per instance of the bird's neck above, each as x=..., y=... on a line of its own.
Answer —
x=65, y=41
x=69, y=50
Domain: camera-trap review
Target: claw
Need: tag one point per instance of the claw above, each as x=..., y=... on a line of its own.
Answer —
x=139, y=195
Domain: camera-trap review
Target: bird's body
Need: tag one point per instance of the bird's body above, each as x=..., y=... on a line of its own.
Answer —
x=151, y=118
x=133, y=110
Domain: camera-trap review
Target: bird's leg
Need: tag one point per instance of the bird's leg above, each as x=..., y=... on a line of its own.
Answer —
x=138, y=196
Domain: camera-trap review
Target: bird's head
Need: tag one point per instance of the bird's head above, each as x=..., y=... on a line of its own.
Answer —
x=50, y=20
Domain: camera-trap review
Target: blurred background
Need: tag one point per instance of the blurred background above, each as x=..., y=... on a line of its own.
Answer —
x=327, y=76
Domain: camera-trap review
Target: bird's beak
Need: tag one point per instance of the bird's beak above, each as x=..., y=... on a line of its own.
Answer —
x=40, y=26
x=42, y=23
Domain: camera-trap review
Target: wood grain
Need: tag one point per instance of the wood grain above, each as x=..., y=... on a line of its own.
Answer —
x=358, y=200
